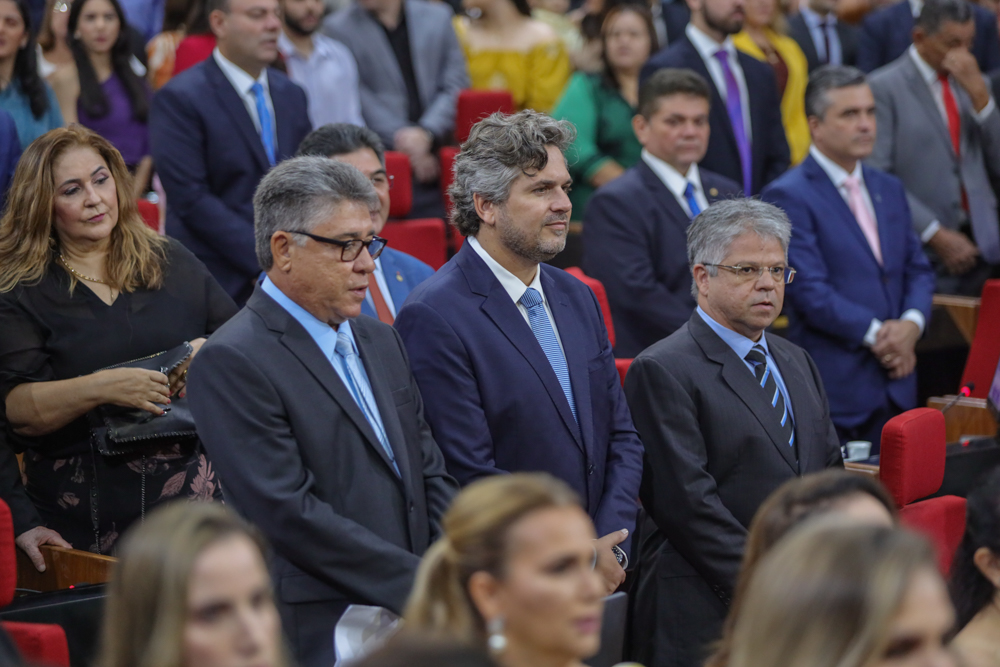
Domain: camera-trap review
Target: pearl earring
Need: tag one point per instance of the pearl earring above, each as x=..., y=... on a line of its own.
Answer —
x=497, y=642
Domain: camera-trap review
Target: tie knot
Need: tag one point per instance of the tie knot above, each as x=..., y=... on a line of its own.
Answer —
x=722, y=56
x=756, y=355
x=943, y=78
x=852, y=183
x=257, y=89
x=344, y=347
x=689, y=189
x=531, y=298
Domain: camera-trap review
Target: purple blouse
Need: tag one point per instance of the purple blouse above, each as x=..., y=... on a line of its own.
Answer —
x=128, y=135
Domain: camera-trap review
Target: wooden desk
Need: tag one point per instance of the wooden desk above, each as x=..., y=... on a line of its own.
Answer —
x=969, y=416
x=963, y=311
x=63, y=568
x=862, y=468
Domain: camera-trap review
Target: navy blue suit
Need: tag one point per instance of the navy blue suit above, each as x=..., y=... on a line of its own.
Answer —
x=402, y=273
x=10, y=153
x=840, y=286
x=210, y=158
x=493, y=401
x=635, y=243
x=887, y=33
x=770, y=147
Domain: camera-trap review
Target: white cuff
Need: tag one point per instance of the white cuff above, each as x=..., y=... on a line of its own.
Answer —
x=915, y=316
x=987, y=110
x=872, y=332
x=929, y=231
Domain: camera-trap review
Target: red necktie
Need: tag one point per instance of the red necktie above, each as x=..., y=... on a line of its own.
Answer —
x=951, y=110
x=381, y=307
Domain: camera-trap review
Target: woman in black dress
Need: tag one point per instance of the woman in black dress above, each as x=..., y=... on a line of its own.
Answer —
x=84, y=285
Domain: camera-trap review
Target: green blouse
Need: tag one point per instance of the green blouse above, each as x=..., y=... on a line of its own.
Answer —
x=603, y=121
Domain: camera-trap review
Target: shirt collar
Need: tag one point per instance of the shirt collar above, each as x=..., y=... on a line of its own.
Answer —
x=675, y=181
x=739, y=343
x=513, y=285
x=813, y=20
x=927, y=73
x=836, y=173
x=237, y=76
x=915, y=7
x=321, y=47
x=706, y=46
x=321, y=332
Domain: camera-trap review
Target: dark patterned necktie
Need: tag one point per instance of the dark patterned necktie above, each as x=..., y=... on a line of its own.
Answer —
x=770, y=388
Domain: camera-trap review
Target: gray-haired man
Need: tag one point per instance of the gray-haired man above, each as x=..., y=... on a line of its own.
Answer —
x=726, y=415
x=311, y=414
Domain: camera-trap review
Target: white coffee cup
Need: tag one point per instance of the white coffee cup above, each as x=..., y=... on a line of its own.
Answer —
x=858, y=450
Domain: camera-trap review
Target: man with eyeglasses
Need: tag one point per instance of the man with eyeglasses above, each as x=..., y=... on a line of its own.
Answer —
x=396, y=273
x=726, y=414
x=864, y=291
x=312, y=416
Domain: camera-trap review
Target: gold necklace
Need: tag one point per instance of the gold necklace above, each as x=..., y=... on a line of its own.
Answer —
x=80, y=275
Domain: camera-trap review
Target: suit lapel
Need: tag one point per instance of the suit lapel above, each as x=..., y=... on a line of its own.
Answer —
x=371, y=33
x=282, y=118
x=928, y=106
x=742, y=381
x=574, y=346
x=662, y=195
x=231, y=101
x=397, y=288
x=419, y=44
x=799, y=28
x=718, y=115
x=883, y=217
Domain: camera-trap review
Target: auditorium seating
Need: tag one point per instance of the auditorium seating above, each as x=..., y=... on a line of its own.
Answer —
x=984, y=354
x=150, y=213
x=912, y=467
x=425, y=238
x=602, y=298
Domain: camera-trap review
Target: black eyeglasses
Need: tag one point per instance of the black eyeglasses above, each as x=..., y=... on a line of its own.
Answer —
x=349, y=250
x=779, y=274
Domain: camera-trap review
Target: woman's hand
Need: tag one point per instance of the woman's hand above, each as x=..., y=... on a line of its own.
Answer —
x=134, y=388
x=178, y=376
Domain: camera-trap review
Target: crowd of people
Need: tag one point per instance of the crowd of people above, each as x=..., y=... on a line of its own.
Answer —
x=277, y=421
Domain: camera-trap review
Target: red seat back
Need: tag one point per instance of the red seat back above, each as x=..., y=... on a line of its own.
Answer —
x=940, y=519
x=474, y=105
x=911, y=464
x=424, y=239
x=447, y=157
x=397, y=166
x=984, y=354
x=622, y=365
x=150, y=213
x=39, y=643
x=602, y=298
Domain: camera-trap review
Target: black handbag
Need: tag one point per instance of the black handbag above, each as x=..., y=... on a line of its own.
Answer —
x=117, y=430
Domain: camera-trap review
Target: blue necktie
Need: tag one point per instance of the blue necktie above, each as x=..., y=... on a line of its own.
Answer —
x=362, y=393
x=692, y=202
x=266, y=123
x=546, y=335
x=767, y=382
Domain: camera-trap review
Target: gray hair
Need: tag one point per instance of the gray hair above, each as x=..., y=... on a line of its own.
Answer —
x=300, y=193
x=499, y=149
x=712, y=233
x=935, y=13
x=825, y=79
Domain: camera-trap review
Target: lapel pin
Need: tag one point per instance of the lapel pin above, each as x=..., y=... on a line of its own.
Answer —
x=713, y=191
x=399, y=276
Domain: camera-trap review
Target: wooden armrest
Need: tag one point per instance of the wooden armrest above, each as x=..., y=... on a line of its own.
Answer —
x=969, y=416
x=863, y=468
x=963, y=310
x=63, y=568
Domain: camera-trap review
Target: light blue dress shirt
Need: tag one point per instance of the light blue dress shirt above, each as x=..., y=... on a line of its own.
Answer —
x=742, y=345
x=16, y=103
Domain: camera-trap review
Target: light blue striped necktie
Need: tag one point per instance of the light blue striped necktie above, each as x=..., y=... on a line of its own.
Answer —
x=266, y=123
x=691, y=201
x=362, y=393
x=546, y=335
x=770, y=386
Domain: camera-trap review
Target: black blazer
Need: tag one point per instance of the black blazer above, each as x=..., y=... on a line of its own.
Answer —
x=635, y=243
x=676, y=15
x=848, y=34
x=210, y=158
x=713, y=453
x=770, y=147
x=300, y=460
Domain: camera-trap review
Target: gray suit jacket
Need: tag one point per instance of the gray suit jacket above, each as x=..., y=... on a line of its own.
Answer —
x=914, y=144
x=299, y=459
x=438, y=65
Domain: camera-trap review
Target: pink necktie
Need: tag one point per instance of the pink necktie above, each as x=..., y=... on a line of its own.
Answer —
x=864, y=217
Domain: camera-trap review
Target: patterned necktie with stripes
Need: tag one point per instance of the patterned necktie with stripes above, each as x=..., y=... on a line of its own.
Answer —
x=769, y=385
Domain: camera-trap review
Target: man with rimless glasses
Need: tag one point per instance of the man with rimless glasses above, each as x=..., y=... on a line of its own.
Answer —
x=726, y=414
x=312, y=416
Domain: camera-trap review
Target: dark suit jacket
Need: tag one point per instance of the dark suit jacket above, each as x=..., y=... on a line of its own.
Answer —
x=635, y=243
x=676, y=15
x=840, y=287
x=770, y=147
x=714, y=451
x=10, y=153
x=402, y=273
x=887, y=33
x=848, y=35
x=301, y=461
x=493, y=400
x=210, y=158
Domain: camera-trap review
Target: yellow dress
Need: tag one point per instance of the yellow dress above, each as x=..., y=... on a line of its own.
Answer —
x=793, y=102
x=535, y=78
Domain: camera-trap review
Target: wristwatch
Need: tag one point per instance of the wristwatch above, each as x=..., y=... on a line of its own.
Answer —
x=621, y=556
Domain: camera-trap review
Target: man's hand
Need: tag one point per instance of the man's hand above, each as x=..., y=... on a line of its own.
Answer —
x=962, y=65
x=607, y=564
x=894, y=347
x=30, y=540
x=413, y=141
x=955, y=249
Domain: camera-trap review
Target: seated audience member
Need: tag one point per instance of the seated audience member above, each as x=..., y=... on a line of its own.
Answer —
x=215, y=132
x=764, y=37
x=396, y=273
x=887, y=33
x=102, y=91
x=192, y=589
x=410, y=651
x=831, y=593
x=601, y=106
x=858, y=499
x=323, y=67
x=748, y=143
x=507, y=49
x=514, y=573
x=726, y=415
x=181, y=18
x=823, y=38
x=975, y=577
x=25, y=94
x=510, y=353
x=411, y=70
x=85, y=285
x=10, y=153
x=634, y=232
x=860, y=325
x=939, y=132
x=298, y=371
x=53, y=44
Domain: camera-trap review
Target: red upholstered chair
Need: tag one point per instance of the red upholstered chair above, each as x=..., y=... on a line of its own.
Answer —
x=985, y=350
x=622, y=365
x=474, y=105
x=447, y=157
x=150, y=213
x=911, y=466
x=602, y=298
x=397, y=166
x=426, y=239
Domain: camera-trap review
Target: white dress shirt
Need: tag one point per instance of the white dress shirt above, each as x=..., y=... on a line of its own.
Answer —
x=677, y=182
x=243, y=82
x=516, y=288
x=383, y=287
x=707, y=48
x=838, y=175
x=329, y=76
x=815, y=24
